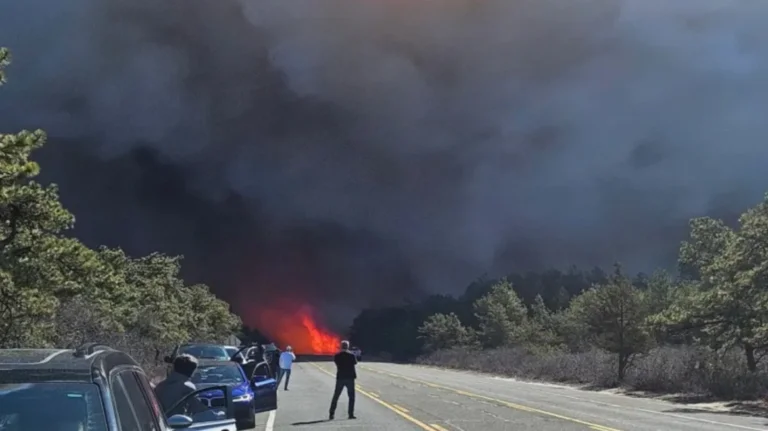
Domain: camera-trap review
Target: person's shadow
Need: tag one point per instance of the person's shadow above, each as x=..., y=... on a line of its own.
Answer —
x=319, y=421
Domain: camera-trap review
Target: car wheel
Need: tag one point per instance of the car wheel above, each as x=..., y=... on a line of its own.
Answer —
x=248, y=423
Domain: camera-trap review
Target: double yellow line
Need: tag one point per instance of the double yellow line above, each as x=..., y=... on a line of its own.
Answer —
x=395, y=408
x=520, y=407
x=404, y=413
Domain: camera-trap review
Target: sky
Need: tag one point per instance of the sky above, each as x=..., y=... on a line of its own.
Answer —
x=336, y=154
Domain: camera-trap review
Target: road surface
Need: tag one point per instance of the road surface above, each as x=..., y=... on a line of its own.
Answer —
x=403, y=397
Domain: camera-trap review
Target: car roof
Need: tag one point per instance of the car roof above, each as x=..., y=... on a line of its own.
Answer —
x=61, y=365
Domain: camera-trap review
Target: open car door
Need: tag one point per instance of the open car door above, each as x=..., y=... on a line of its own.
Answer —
x=190, y=413
x=264, y=389
x=240, y=352
x=168, y=359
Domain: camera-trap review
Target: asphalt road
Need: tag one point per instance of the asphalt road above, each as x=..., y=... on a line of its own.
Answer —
x=402, y=397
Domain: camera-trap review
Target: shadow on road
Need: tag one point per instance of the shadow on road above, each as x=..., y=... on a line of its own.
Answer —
x=319, y=421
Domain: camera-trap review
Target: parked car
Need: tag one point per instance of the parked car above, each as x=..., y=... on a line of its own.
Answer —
x=96, y=388
x=201, y=351
x=250, y=394
x=198, y=350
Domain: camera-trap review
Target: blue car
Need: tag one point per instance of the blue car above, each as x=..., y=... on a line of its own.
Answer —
x=198, y=350
x=250, y=394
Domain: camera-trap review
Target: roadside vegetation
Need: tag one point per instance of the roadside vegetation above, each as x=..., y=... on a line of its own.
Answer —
x=702, y=331
x=55, y=291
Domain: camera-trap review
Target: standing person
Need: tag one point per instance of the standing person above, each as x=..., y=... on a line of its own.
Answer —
x=273, y=361
x=345, y=378
x=178, y=385
x=286, y=362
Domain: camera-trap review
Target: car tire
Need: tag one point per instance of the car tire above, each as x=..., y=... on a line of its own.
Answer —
x=248, y=423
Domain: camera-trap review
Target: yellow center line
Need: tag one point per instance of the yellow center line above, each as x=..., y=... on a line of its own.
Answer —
x=438, y=427
x=402, y=409
x=515, y=406
x=392, y=407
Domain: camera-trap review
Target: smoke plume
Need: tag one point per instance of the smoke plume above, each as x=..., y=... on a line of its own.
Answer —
x=346, y=152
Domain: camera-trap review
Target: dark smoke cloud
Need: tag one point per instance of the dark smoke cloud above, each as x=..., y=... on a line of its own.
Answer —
x=355, y=151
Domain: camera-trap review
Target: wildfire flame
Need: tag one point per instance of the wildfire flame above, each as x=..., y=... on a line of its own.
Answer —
x=288, y=325
x=321, y=341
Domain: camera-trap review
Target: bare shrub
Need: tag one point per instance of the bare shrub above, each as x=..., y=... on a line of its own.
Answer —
x=666, y=370
x=594, y=367
x=78, y=321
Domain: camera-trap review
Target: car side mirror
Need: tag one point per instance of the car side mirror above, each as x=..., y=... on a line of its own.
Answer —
x=178, y=422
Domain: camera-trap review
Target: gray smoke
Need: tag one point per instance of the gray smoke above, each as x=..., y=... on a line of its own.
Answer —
x=374, y=143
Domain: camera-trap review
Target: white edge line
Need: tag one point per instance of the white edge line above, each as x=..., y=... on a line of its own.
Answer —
x=271, y=420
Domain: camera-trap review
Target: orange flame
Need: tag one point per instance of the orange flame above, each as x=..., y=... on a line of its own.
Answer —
x=288, y=325
x=322, y=341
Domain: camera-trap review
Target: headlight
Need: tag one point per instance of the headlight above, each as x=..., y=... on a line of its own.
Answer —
x=243, y=398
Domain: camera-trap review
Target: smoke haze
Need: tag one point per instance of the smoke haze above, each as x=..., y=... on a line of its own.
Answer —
x=346, y=152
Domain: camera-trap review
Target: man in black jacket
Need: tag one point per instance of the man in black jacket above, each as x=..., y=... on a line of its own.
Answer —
x=345, y=378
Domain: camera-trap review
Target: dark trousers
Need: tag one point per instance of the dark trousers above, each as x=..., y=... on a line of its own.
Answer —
x=284, y=372
x=340, y=385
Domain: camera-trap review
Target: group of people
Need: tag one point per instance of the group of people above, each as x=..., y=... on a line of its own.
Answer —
x=178, y=384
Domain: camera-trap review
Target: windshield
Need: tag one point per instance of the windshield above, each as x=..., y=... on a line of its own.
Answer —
x=206, y=352
x=51, y=407
x=219, y=374
x=231, y=350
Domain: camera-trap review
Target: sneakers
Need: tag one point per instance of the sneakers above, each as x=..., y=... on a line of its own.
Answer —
x=352, y=417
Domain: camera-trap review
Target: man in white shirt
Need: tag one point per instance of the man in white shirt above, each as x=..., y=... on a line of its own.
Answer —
x=286, y=361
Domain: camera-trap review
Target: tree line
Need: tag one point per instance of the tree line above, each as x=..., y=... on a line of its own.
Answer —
x=703, y=328
x=55, y=291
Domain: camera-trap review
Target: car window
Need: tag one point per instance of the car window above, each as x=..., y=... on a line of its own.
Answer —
x=231, y=350
x=143, y=418
x=223, y=374
x=68, y=406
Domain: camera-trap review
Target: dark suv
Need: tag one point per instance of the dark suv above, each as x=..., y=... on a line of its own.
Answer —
x=92, y=388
